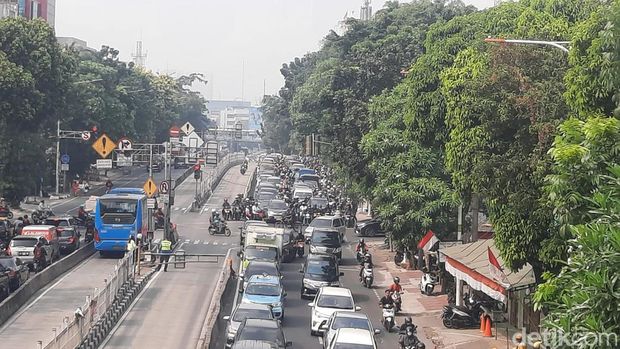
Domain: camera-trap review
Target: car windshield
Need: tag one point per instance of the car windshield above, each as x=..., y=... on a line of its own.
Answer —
x=258, y=289
x=330, y=238
x=350, y=322
x=66, y=233
x=336, y=302
x=57, y=222
x=278, y=205
x=23, y=242
x=322, y=270
x=321, y=223
x=268, y=334
x=260, y=270
x=242, y=314
x=319, y=202
x=352, y=346
x=266, y=196
x=267, y=254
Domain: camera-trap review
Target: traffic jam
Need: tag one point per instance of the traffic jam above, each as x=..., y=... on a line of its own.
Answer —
x=298, y=216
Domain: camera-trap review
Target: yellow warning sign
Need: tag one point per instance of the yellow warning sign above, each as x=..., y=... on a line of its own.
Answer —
x=104, y=146
x=150, y=188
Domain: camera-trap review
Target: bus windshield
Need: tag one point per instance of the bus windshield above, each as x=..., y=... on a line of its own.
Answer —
x=117, y=211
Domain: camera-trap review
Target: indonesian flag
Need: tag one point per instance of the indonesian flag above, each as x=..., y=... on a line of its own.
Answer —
x=428, y=241
x=495, y=269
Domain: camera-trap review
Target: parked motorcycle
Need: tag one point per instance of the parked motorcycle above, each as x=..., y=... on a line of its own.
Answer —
x=462, y=316
x=388, y=317
x=428, y=282
x=219, y=228
x=367, y=275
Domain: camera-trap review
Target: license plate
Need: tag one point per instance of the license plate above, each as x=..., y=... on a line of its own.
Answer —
x=22, y=253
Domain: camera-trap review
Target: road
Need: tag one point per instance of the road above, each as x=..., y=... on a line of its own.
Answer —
x=49, y=306
x=170, y=312
x=298, y=314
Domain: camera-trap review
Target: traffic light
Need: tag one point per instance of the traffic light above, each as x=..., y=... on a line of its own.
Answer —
x=197, y=172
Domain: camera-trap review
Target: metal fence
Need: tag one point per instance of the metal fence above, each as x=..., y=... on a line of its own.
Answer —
x=76, y=326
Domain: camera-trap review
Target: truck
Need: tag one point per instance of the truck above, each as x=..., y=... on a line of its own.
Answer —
x=268, y=243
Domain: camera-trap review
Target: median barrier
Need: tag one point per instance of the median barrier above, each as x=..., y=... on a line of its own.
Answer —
x=22, y=295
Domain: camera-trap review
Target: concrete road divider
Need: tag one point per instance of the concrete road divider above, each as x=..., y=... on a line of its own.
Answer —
x=20, y=297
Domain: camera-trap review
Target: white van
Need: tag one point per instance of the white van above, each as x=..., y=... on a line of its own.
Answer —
x=302, y=193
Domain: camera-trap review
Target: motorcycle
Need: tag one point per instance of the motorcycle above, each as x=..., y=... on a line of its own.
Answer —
x=409, y=340
x=398, y=302
x=428, y=282
x=6, y=213
x=227, y=214
x=388, y=317
x=359, y=255
x=219, y=228
x=242, y=170
x=367, y=275
x=350, y=221
x=299, y=246
x=236, y=213
x=454, y=316
x=39, y=216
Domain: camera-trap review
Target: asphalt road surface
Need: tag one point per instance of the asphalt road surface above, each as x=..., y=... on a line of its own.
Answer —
x=171, y=310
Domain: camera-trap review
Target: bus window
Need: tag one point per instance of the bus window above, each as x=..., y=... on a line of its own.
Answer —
x=117, y=211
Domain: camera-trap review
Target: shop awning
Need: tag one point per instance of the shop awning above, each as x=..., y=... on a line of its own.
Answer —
x=470, y=263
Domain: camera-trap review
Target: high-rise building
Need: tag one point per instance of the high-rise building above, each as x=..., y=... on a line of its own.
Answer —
x=45, y=9
x=9, y=8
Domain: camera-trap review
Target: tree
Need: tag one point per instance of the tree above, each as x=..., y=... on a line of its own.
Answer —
x=276, y=119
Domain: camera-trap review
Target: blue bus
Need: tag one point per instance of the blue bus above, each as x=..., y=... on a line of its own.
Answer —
x=117, y=217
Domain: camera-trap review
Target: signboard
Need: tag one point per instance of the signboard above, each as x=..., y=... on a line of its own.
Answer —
x=187, y=128
x=104, y=146
x=212, y=149
x=124, y=161
x=65, y=158
x=64, y=167
x=85, y=135
x=150, y=188
x=104, y=164
x=150, y=203
x=124, y=144
x=175, y=132
x=164, y=187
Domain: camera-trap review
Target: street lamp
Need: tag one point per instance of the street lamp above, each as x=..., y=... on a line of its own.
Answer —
x=556, y=44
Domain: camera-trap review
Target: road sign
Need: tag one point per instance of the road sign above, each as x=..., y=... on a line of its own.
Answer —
x=85, y=135
x=175, y=132
x=65, y=158
x=187, y=128
x=150, y=203
x=104, y=164
x=124, y=144
x=104, y=146
x=64, y=167
x=150, y=188
x=164, y=187
x=124, y=161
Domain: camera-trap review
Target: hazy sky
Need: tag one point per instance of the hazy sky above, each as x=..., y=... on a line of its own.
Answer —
x=219, y=38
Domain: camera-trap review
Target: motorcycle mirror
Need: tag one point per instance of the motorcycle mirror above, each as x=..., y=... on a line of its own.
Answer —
x=226, y=318
x=358, y=308
x=377, y=331
x=311, y=305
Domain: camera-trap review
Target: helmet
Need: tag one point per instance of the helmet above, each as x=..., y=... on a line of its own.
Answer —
x=212, y=210
x=396, y=279
x=361, y=241
x=408, y=320
x=420, y=345
x=139, y=237
x=367, y=255
x=82, y=206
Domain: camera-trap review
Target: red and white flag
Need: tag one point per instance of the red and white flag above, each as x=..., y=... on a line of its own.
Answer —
x=428, y=241
x=495, y=269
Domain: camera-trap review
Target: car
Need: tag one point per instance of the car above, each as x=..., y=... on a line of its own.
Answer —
x=327, y=301
x=319, y=270
x=318, y=202
x=370, y=227
x=304, y=171
x=302, y=192
x=245, y=226
x=259, y=268
x=276, y=209
x=334, y=222
x=326, y=241
x=62, y=222
x=22, y=246
x=353, y=338
x=345, y=319
x=242, y=312
x=262, y=330
x=254, y=345
x=157, y=166
x=5, y=286
x=68, y=240
x=260, y=253
x=263, y=198
x=16, y=270
x=311, y=180
x=268, y=290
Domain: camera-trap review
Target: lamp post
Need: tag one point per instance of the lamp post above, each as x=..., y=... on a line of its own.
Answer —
x=556, y=44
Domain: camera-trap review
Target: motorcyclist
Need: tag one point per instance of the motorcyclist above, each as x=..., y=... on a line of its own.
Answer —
x=408, y=323
x=361, y=246
x=108, y=185
x=366, y=260
x=409, y=339
x=386, y=299
x=396, y=287
x=42, y=206
x=81, y=213
x=226, y=204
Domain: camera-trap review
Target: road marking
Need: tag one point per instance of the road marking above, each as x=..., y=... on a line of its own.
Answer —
x=187, y=241
x=205, y=243
x=225, y=243
x=196, y=242
x=320, y=340
x=215, y=243
x=156, y=241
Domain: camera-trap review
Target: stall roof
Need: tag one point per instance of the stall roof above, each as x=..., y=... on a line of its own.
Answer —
x=471, y=263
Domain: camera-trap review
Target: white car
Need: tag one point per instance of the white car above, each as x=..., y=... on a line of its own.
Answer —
x=329, y=300
x=345, y=319
x=347, y=338
x=327, y=222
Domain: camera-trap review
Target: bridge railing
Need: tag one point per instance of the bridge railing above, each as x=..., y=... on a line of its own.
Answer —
x=77, y=326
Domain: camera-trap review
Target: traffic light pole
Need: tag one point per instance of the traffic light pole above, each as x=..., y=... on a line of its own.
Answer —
x=168, y=176
x=64, y=134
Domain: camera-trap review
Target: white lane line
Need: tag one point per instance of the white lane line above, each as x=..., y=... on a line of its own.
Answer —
x=196, y=242
x=205, y=243
x=128, y=311
x=215, y=243
x=187, y=241
x=320, y=340
x=225, y=243
x=187, y=208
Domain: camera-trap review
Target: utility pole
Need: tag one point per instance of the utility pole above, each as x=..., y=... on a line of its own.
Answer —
x=66, y=134
x=168, y=176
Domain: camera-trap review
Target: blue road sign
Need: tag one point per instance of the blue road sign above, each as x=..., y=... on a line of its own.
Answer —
x=64, y=159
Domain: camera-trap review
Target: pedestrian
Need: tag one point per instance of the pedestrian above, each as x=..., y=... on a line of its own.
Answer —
x=166, y=250
x=131, y=247
x=26, y=220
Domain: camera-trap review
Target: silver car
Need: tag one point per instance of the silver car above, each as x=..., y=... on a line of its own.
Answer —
x=340, y=320
x=245, y=311
x=23, y=247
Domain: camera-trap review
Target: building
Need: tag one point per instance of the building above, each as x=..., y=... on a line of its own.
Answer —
x=45, y=9
x=226, y=114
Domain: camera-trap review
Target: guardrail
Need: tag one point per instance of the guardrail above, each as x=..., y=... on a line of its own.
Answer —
x=206, y=186
x=76, y=327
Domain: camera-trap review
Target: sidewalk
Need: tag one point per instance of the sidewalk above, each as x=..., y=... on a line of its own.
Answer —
x=425, y=310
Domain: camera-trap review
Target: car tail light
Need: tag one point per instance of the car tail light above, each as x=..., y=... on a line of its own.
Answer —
x=96, y=235
x=72, y=239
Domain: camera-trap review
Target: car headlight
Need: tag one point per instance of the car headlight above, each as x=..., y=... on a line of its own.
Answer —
x=277, y=304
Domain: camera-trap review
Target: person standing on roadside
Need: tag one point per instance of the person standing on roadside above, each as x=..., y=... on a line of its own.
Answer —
x=131, y=247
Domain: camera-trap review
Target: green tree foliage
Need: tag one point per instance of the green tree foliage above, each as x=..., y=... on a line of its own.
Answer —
x=277, y=121
x=585, y=188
